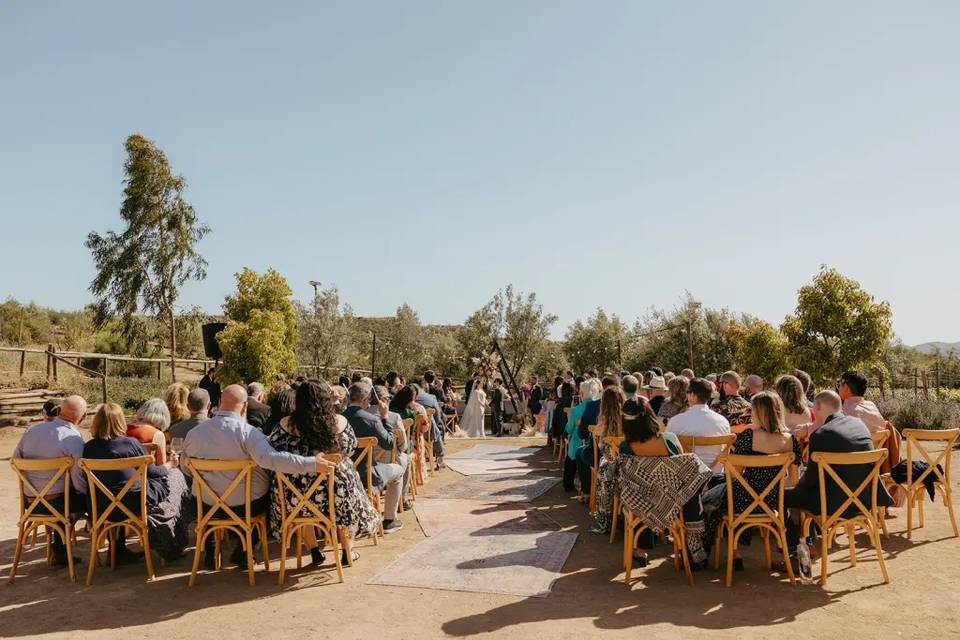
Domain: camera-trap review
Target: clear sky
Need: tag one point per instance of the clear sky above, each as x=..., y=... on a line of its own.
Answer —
x=599, y=153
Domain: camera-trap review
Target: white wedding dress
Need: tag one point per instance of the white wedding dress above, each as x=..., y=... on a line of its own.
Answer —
x=472, y=421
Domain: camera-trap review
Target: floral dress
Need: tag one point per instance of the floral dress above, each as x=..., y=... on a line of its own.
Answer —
x=354, y=509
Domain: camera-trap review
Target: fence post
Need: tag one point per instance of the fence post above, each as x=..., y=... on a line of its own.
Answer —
x=923, y=381
x=882, y=393
x=938, y=377
x=916, y=392
x=53, y=350
x=23, y=360
x=158, y=370
x=103, y=381
x=49, y=347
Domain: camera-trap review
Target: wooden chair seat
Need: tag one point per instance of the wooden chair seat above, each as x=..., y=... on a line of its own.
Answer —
x=633, y=527
x=102, y=524
x=210, y=522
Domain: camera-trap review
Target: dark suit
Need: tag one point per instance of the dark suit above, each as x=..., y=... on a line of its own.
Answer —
x=437, y=392
x=535, y=403
x=429, y=401
x=366, y=424
x=496, y=406
x=258, y=414
x=840, y=434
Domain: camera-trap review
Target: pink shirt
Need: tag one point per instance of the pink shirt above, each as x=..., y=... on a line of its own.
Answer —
x=867, y=411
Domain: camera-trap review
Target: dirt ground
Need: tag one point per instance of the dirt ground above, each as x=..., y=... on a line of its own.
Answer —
x=589, y=599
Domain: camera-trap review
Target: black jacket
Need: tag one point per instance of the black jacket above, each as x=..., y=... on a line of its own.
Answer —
x=258, y=414
x=365, y=425
x=840, y=434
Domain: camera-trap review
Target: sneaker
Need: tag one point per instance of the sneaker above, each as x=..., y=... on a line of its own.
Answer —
x=392, y=526
x=600, y=531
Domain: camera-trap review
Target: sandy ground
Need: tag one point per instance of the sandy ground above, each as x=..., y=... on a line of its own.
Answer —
x=589, y=599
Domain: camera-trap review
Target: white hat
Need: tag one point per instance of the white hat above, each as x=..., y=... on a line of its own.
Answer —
x=657, y=383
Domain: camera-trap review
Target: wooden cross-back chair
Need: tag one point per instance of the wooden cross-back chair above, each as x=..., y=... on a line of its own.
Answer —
x=218, y=518
x=633, y=528
x=866, y=517
x=769, y=521
x=293, y=522
x=102, y=524
x=415, y=470
x=691, y=443
x=613, y=443
x=31, y=519
x=364, y=453
x=918, y=441
x=428, y=438
x=560, y=442
x=594, y=430
x=450, y=421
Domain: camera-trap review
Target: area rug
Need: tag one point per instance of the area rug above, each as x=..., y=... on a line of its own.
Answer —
x=494, y=452
x=497, y=488
x=486, y=466
x=521, y=563
x=437, y=516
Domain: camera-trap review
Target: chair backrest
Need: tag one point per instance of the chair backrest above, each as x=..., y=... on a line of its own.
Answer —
x=429, y=431
x=243, y=469
x=594, y=430
x=917, y=442
x=690, y=444
x=364, y=453
x=59, y=468
x=732, y=470
x=613, y=443
x=826, y=463
x=879, y=439
x=304, y=499
x=138, y=465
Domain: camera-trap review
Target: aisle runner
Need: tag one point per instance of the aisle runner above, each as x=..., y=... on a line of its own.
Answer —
x=481, y=535
x=510, y=561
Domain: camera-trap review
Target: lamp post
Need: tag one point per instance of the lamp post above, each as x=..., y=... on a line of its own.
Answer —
x=314, y=284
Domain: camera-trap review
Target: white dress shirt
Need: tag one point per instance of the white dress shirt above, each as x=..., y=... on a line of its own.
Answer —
x=700, y=420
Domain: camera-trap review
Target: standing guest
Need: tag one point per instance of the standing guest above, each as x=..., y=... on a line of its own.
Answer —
x=809, y=389
x=258, y=413
x=198, y=404
x=535, y=403
x=731, y=405
x=610, y=425
x=316, y=428
x=496, y=407
x=176, y=398
x=282, y=405
x=656, y=392
x=165, y=488
x=700, y=420
x=549, y=407
x=767, y=435
x=56, y=438
x=211, y=386
x=227, y=436
x=386, y=475
x=149, y=425
x=753, y=384
x=688, y=374
x=797, y=415
x=676, y=401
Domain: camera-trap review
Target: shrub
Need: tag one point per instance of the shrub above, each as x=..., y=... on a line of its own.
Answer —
x=919, y=413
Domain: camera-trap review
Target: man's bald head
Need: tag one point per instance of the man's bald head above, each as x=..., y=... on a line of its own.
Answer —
x=233, y=398
x=73, y=409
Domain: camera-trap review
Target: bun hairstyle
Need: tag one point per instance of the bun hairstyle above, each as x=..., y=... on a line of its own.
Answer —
x=639, y=422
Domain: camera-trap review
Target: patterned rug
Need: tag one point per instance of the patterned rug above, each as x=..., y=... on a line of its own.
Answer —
x=438, y=516
x=509, y=561
x=494, y=452
x=497, y=488
x=487, y=466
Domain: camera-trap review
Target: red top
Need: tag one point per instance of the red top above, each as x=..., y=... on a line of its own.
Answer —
x=144, y=433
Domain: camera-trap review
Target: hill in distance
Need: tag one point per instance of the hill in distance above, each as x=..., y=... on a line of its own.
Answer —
x=932, y=347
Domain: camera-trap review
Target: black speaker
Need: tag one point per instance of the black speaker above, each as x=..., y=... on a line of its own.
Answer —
x=210, y=345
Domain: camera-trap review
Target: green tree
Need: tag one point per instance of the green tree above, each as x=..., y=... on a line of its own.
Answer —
x=550, y=359
x=761, y=349
x=327, y=331
x=837, y=326
x=400, y=343
x=594, y=344
x=142, y=268
x=260, y=339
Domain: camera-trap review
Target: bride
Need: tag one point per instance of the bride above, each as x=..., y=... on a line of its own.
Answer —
x=472, y=421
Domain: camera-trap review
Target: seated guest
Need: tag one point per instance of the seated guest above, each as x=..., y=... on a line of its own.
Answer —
x=852, y=387
x=56, y=437
x=165, y=488
x=840, y=433
x=386, y=476
x=176, y=399
x=227, y=436
x=766, y=435
x=798, y=416
x=589, y=418
x=149, y=425
x=571, y=429
x=656, y=392
x=688, y=374
x=258, y=413
x=339, y=397
x=282, y=405
x=198, y=404
x=700, y=420
x=809, y=390
x=316, y=428
x=428, y=401
x=404, y=405
x=731, y=405
x=391, y=382
x=676, y=401
x=399, y=454
x=51, y=409
x=753, y=384
x=609, y=425
x=430, y=386
x=451, y=395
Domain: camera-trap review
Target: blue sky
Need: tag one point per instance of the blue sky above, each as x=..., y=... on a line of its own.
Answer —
x=601, y=154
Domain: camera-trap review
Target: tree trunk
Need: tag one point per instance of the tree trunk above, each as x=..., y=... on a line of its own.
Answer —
x=173, y=345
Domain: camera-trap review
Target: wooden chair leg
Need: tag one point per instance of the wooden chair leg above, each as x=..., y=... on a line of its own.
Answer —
x=615, y=519
x=782, y=535
x=336, y=553
x=248, y=538
x=824, y=552
x=148, y=558
x=766, y=548
x=346, y=544
x=852, y=542
x=875, y=539
x=196, y=559
x=95, y=537
x=948, y=502
x=284, y=541
x=730, y=549
x=264, y=546
x=627, y=550
x=21, y=535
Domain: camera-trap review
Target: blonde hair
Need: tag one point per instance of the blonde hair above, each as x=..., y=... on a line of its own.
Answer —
x=175, y=398
x=679, y=386
x=109, y=423
x=611, y=411
x=768, y=412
